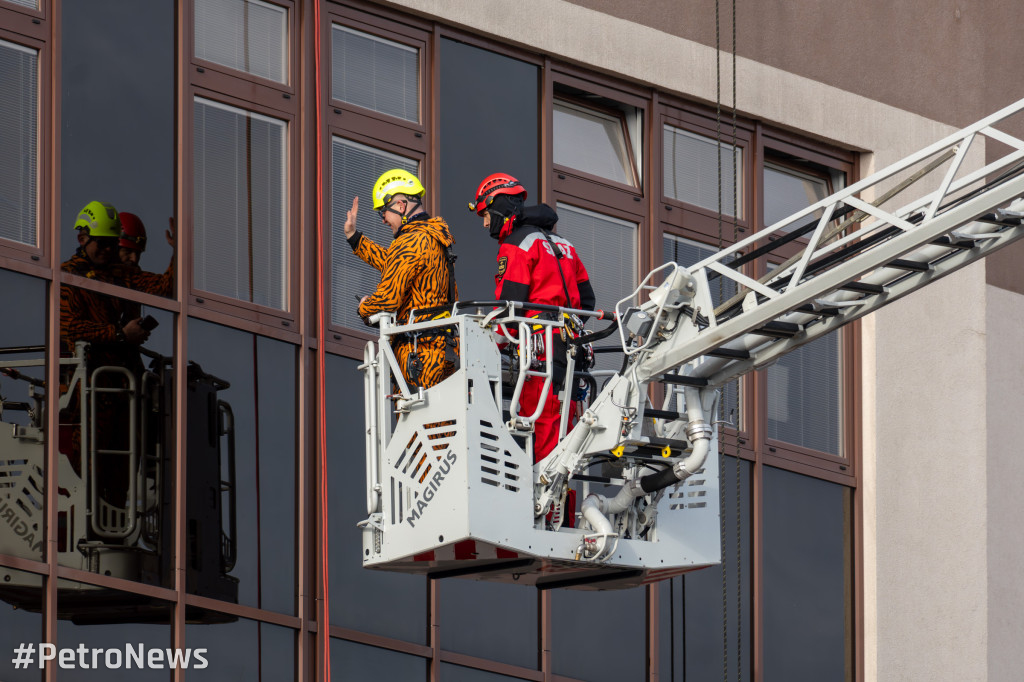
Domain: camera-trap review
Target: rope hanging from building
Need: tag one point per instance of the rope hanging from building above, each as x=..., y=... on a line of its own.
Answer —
x=321, y=366
x=721, y=296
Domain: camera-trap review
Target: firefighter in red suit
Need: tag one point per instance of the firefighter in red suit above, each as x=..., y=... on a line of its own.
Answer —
x=534, y=266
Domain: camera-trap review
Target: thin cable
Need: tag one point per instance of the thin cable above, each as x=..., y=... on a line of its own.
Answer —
x=672, y=628
x=735, y=239
x=321, y=358
x=721, y=455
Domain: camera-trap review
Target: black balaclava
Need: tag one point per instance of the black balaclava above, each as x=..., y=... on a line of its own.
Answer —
x=504, y=210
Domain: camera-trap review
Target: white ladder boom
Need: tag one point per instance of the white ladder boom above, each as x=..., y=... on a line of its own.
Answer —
x=844, y=272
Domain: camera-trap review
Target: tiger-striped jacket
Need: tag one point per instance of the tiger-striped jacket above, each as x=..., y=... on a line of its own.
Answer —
x=94, y=317
x=414, y=272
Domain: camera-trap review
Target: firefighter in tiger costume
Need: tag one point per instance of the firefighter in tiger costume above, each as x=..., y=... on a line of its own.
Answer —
x=417, y=273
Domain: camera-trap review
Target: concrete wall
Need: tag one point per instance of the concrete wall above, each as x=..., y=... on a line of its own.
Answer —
x=1005, y=434
x=930, y=475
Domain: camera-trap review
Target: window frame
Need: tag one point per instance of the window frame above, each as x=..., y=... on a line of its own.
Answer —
x=373, y=129
x=41, y=14
x=245, y=91
x=20, y=254
x=614, y=114
x=844, y=467
x=347, y=338
x=775, y=146
x=200, y=299
x=736, y=441
x=641, y=226
x=368, y=122
x=240, y=83
x=594, y=189
x=684, y=215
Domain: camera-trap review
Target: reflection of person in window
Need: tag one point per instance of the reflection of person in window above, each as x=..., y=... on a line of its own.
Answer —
x=132, y=242
x=111, y=326
x=534, y=266
x=417, y=272
x=100, y=318
x=131, y=246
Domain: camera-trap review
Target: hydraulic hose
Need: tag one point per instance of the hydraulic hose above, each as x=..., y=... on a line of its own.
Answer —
x=596, y=508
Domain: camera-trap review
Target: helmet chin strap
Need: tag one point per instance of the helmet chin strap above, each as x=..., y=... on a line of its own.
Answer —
x=410, y=209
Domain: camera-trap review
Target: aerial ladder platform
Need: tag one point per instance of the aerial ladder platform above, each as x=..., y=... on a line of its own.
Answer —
x=452, y=487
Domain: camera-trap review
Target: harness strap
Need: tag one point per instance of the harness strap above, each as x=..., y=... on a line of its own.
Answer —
x=558, y=257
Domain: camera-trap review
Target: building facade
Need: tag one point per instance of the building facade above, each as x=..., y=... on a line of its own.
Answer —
x=202, y=493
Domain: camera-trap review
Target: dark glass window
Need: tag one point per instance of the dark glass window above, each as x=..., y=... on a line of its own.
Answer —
x=351, y=661
x=117, y=115
x=468, y=629
x=705, y=616
x=241, y=449
x=572, y=640
x=245, y=35
x=808, y=607
x=22, y=420
x=686, y=253
x=119, y=628
x=240, y=649
x=361, y=599
x=458, y=673
x=19, y=125
x=21, y=603
x=240, y=224
x=116, y=464
x=471, y=150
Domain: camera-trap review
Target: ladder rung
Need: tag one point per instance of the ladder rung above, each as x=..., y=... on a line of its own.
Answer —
x=779, y=329
x=684, y=380
x=809, y=309
x=945, y=241
x=864, y=288
x=908, y=265
x=729, y=353
x=993, y=219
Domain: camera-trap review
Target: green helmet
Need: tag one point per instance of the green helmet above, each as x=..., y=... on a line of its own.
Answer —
x=100, y=219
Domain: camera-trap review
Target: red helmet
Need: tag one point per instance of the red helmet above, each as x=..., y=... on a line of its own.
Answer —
x=133, y=233
x=493, y=186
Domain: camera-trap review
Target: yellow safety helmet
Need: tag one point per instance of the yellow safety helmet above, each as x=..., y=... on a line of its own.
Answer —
x=395, y=181
x=100, y=219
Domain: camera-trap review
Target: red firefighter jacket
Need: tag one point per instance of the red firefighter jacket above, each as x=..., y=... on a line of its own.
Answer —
x=528, y=267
